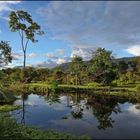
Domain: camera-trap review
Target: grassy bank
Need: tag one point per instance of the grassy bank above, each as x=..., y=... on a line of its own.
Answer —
x=127, y=87
x=117, y=88
x=131, y=89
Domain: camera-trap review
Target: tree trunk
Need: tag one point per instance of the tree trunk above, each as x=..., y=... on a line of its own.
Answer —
x=24, y=62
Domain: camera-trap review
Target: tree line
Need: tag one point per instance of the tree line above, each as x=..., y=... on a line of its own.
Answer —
x=102, y=69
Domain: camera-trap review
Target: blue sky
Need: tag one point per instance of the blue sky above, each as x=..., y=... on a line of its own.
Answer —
x=74, y=28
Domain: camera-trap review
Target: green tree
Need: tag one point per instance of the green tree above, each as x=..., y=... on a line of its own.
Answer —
x=138, y=64
x=102, y=69
x=122, y=66
x=14, y=76
x=42, y=74
x=5, y=58
x=58, y=75
x=27, y=74
x=21, y=22
x=5, y=53
x=75, y=68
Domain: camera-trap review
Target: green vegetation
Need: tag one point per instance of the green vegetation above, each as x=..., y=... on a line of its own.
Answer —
x=93, y=84
x=5, y=53
x=22, y=22
x=138, y=88
x=6, y=108
x=10, y=129
x=6, y=97
x=101, y=71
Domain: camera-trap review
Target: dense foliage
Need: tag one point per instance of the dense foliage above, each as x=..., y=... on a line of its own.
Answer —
x=5, y=53
x=102, y=69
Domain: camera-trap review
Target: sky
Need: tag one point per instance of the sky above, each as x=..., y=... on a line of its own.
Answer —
x=74, y=28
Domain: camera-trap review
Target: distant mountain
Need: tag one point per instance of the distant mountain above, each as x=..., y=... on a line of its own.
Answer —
x=20, y=67
x=66, y=65
x=126, y=59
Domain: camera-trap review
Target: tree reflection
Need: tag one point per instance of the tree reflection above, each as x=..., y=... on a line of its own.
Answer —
x=103, y=107
x=77, y=113
x=24, y=97
x=52, y=98
x=77, y=106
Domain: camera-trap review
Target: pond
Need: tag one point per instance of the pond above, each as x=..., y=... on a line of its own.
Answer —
x=81, y=114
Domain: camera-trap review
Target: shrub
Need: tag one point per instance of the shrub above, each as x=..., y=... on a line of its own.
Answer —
x=138, y=87
x=6, y=97
x=54, y=84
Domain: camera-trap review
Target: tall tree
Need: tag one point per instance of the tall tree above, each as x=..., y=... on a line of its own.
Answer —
x=22, y=22
x=5, y=53
x=102, y=69
x=76, y=67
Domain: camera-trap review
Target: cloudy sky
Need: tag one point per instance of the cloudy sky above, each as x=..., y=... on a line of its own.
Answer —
x=75, y=28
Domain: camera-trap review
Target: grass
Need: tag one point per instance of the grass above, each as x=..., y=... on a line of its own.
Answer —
x=7, y=108
x=117, y=88
x=39, y=84
x=129, y=87
x=42, y=87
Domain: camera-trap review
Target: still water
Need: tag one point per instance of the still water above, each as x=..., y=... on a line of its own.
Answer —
x=80, y=114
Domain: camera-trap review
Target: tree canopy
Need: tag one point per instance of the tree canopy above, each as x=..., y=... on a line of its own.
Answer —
x=5, y=53
x=102, y=69
x=21, y=21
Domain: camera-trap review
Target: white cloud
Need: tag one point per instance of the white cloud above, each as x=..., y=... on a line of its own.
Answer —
x=85, y=53
x=5, y=5
x=135, y=50
x=88, y=24
x=133, y=109
x=17, y=56
x=48, y=64
x=55, y=54
x=10, y=65
x=60, y=61
x=10, y=2
x=50, y=56
x=32, y=55
x=51, y=63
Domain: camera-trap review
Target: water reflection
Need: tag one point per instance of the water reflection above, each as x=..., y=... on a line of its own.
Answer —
x=24, y=98
x=52, y=98
x=102, y=108
x=55, y=111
